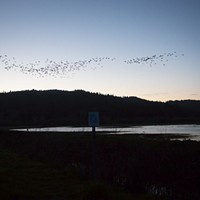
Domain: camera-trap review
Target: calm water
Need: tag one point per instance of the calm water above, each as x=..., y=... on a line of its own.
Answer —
x=192, y=130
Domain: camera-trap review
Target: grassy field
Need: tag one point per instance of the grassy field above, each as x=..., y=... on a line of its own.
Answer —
x=60, y=166
x=22, y=178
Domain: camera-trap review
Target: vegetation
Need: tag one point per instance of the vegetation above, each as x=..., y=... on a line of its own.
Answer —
x=60, y=166
x=70, y=166
x=59, y=108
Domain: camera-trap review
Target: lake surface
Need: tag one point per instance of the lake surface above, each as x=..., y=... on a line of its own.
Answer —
x=192, y=130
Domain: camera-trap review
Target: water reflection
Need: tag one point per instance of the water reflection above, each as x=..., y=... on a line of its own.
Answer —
x=193, y=130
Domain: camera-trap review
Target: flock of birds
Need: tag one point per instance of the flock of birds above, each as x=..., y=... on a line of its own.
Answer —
x=51, y=67
x=62, y=68
x=153, y=60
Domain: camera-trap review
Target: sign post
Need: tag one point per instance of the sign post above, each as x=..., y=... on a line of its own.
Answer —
x=93, y=121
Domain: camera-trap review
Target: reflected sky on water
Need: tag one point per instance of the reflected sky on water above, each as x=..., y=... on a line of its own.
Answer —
x=193, y=130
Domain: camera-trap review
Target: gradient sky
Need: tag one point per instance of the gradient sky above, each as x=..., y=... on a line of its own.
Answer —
x=74, y=30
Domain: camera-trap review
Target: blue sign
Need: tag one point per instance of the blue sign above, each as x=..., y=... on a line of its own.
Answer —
x=93, y=119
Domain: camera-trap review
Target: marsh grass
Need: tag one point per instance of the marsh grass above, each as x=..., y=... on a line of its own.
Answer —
x=22, y=178
x=59, y=166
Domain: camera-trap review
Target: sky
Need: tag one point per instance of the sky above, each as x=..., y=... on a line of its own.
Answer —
x=144, y=48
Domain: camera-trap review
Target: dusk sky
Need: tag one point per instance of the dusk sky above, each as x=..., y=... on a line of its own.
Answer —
x=144, y=48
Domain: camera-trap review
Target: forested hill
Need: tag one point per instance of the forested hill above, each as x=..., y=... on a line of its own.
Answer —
x=55, y=107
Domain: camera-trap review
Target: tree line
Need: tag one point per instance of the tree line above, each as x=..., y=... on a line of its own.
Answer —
x=56, y=107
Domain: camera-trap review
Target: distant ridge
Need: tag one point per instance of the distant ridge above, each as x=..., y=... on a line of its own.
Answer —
x=66, y=91
x=59, y=108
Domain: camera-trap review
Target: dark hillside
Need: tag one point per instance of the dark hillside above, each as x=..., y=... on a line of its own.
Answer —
x=54, y=107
